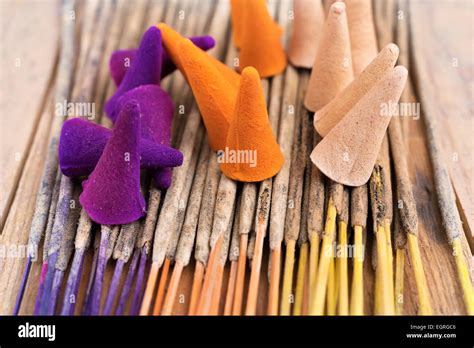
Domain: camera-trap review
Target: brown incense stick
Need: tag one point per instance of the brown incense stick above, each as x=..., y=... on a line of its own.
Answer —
x=408, y=215
x=188, y=231
x=234, y=256
x=359, y=212
x=255, y=245
x=315, y=218
x=295, y=195
x=280, y=186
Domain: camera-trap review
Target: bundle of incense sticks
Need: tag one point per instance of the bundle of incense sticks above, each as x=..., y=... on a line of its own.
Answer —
x=293, y=229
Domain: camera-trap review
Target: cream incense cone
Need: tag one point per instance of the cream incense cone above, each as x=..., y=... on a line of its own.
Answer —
x=362, y=33
x=327, y=117
x=332, y=68
x=348, y=153
x=307, y=25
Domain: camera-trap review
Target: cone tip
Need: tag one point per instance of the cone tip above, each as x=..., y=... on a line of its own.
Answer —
x=338, y=7
x=394, y=50
x=251, y=72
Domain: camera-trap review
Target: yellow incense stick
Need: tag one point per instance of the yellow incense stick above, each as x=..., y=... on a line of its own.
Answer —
x=463, y=275
x=317, y=301
x=300, y=279
x=386, y=302
x=286, y=296
x=399, y=280
x=357, y=293
x=388, y=237
x=313, y=263
x=343, y=279
x=420, y=279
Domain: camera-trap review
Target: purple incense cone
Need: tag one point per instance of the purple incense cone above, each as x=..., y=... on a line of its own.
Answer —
x=156, y=109
x=82, y=142
x=121, y=60
x=112, y=194
x=146, y=69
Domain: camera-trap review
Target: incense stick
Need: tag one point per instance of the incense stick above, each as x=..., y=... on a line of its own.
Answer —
x=255, y=245
x=65, y=253
x=234, y=256
x=359, y=208
x=378, y=203
x=400, y=246
x=224, y=207
x=170, y=207
x=281, y=183
x=408, y=216
x=188, y=232
x=295, y=195
x=321, y=280
x=316, y=209
x=342, y=257
x=221, y=262
x=176, y=230
x=122, y=252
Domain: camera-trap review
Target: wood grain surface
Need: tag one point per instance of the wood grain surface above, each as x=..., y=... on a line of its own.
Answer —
x=429, y=45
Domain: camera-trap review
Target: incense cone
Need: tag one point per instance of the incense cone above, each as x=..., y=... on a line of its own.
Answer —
x=236, y=14
x=308, y=23
x=332, y=69
x=82, y=143
x=214, y=94
x=261, y=47
x=121, y=60
x=362, y=33
x=146, y=69
x=327, y=117
x=348, y=153
x=112, y=194
x=250, y=132
x=171, y=39
x=156, y=110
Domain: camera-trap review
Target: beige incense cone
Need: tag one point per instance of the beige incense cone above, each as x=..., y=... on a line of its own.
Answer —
x=326, y=118
x=348, y=153
x=332, y=69
x=307, y=28
x=361, y=31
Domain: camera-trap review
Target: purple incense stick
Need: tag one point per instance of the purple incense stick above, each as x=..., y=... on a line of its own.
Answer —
x=57, y=280
x=72, y=281
x=21, y=291
x=109, y=302
x=99, y=274
x=39, y=295
x=128, y=283
x=138, y=293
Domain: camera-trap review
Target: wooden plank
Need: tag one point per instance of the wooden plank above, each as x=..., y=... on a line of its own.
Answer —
x=442, y=36
x=29, y=34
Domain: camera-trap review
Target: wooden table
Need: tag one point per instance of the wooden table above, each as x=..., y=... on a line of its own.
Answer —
x=435, y=40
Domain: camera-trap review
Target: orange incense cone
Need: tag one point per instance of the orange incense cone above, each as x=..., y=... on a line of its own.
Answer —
x=327, y=117
x=260, y=46
x=332, y=69
x=171, y=39
x=236, y=14
x=214, y=93
x=252, y=152
x=307, y=27
x=348, y=153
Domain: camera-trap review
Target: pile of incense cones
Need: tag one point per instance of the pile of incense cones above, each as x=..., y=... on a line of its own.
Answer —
x=327, y=143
